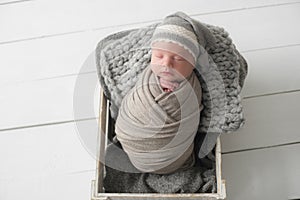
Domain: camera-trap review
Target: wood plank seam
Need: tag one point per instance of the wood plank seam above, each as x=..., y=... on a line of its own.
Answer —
x=260, y=148
x=92, y=118
x=269, y=48
x=272, y=94
x=14, y=2
x=142, y=22
x=246, y=8
x=47, y=124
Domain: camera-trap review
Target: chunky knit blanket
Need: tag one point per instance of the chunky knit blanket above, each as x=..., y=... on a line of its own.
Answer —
x=157, y=128
x=221, y=70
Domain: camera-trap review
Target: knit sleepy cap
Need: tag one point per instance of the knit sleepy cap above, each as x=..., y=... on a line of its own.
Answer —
x=176, y=29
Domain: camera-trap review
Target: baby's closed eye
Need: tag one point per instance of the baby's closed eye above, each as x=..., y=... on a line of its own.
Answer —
x=178, y=58
x=158, y=55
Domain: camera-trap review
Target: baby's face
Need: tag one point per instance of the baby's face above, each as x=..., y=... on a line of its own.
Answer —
x=170, y=66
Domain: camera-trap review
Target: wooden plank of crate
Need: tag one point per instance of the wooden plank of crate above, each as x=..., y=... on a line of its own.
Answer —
x=152, y=196
x=101, y=141
x=97, y=185
x=221, y=193
x=220, y=183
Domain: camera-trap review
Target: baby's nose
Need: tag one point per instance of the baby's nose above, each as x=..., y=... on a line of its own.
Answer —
x=167, y=62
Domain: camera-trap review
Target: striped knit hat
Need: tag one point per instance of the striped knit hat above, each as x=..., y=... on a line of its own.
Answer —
x=178, y=30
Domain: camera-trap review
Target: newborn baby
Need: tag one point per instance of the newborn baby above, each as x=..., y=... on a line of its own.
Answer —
x=158, y=119
x=171, y=63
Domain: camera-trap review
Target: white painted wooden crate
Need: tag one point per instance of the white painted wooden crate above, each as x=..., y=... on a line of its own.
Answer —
x=97, y=185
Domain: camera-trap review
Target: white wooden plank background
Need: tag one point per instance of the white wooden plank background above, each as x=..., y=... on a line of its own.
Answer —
x=270, y=69
x=45, y=163
x=270, y=120
x=43, y=45
x=272, y=173
x=66, y=186
x=5, y=2
x=42, y=101
x=267, y=34
x=55, y=150
x=83, y=15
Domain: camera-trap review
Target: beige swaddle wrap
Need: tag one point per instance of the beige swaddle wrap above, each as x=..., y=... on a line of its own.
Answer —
x=156, y=128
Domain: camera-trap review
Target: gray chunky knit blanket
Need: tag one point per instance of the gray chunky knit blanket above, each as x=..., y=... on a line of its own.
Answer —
x=120, y=59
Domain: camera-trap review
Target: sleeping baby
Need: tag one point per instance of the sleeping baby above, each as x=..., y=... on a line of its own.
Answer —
x=159, y=117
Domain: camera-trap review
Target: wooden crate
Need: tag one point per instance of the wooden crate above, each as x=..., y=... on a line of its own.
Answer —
x=98, y=194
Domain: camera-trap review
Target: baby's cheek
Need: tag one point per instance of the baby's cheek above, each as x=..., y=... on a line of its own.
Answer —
x=154, y=69
x=185, y=71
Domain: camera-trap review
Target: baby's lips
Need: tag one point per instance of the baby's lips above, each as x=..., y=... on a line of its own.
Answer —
x=167, y=73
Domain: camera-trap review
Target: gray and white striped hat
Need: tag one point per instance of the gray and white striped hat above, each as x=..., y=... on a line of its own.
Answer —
x=177, y=30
